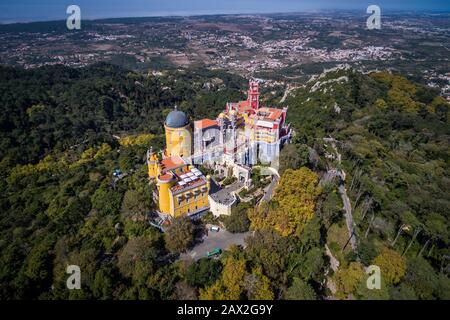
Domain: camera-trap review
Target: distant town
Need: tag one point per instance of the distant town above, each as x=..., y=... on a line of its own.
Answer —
x=259, y=44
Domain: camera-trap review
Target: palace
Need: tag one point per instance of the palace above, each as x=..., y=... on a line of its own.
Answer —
x=243, y=135
x=181, y=188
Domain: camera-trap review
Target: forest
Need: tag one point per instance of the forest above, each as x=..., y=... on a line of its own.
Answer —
x=393, y=136
x=65, y=131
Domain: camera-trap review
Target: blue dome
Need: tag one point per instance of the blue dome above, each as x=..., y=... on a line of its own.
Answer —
x=176, y=119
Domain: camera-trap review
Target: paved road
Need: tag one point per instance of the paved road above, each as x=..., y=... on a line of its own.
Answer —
x=222, y=239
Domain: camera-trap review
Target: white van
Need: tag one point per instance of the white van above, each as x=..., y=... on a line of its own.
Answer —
x=214, y=228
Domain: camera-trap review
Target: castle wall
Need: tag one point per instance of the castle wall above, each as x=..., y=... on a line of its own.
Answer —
x=218, y=208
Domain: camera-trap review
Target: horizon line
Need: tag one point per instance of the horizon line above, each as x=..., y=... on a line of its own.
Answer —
x=184, y=15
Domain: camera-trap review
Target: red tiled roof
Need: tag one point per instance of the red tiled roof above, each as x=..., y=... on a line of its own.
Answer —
x=244, y=106
x=165, y=177
x=205, y=123
x=272, y=114
x=172, y=163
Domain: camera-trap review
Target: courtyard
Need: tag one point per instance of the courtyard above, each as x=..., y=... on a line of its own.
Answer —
x=221, y=239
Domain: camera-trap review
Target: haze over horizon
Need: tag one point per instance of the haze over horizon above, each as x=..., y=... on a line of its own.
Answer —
x=45, y=10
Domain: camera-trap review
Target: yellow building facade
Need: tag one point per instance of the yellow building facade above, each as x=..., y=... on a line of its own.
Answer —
x=178, y=141
x=189, y=200
x=178, y=135
x=182, y=189
x=153, y=164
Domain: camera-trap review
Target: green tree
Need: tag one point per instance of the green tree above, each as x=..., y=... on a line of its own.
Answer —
x=402, y=292
x=179, y=235
x=293, y=156
x=238, y=220
x=103, y=285
x=38, y=270
x=443, y=288
x=364, y=293
x=422, y=278
x=265, y=248
x=203, y=272
x=300, y=290
x=106, y=200
x=137, y=259
x=134, y=204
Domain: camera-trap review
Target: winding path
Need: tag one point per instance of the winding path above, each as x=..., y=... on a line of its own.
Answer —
x=343, y=192
x=348, y=215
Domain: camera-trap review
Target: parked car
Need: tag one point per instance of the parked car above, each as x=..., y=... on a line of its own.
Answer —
x=214, y=228
x=213, y=253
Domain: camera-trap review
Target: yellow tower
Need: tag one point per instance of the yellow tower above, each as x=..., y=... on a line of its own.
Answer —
x=165, y=182
x=208, y=182
x=153, y=164
x=178, y=135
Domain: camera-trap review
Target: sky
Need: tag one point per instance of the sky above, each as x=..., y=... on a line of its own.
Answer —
x=42, y=10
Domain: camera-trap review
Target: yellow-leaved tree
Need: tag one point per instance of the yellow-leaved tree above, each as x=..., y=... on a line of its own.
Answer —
x=392, y=265
x=258, y=285
x=348, y=279
x=292, y=206
x=401, y=94
x=231, y=285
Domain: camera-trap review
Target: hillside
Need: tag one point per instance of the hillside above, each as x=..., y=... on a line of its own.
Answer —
x=61, y=205
x=393, y=136
x=59, y=107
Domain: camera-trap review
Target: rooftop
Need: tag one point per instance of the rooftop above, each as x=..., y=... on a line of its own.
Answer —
x=171, y=163
x=176, y=119
x=205, y=123
x=271, y=114
x=165, y=177
x=244, y=106
x=188, y=183
x=223, y=196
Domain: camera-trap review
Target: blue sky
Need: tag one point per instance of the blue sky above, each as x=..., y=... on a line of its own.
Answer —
x=38, y=10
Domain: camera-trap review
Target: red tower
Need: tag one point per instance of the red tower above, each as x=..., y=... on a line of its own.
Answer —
x=253, y=94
